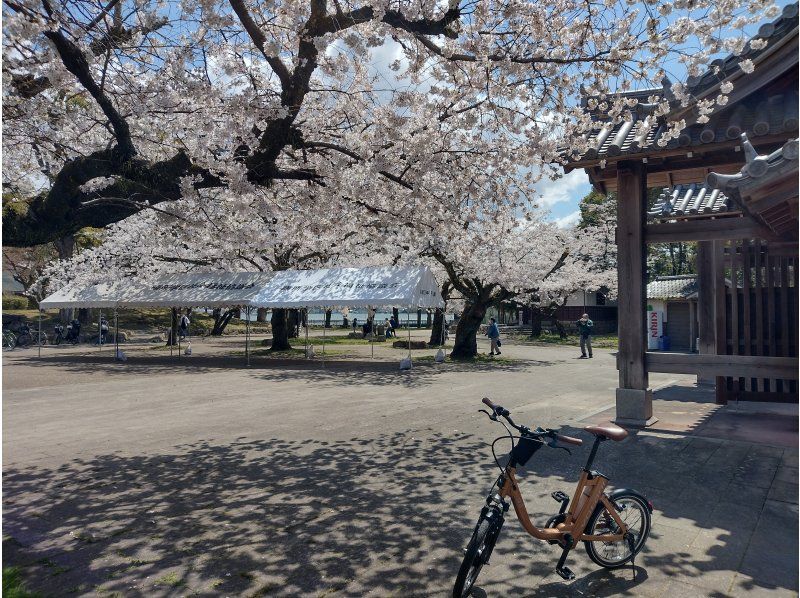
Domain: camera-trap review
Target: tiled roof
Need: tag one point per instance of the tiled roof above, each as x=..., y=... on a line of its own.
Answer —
x=766, y=186
x=683, y=286
x=775, y=114
x=683, y=201
x=758, y=170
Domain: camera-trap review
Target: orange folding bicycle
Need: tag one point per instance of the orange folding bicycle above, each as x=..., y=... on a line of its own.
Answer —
x=613, y=527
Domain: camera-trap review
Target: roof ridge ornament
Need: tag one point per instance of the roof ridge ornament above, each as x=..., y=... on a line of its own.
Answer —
x=750, y=152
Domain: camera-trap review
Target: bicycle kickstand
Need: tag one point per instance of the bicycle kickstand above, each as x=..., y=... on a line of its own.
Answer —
x=632, y=545
x=561, y=569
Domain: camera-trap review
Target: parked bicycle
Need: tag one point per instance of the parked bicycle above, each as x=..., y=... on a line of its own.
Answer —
x=613, y=527
x=9, y=340
x=69, y=333
x=27, y=337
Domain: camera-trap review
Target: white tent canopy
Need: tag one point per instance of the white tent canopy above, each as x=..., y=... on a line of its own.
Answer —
x=382, y=286
x=100, y=295
x=217, y=289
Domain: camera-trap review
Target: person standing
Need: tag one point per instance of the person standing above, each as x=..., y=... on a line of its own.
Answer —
x=585, y=327
x=494, y=336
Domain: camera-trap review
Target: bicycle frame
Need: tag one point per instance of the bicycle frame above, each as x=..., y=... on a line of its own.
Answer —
x=588, y=493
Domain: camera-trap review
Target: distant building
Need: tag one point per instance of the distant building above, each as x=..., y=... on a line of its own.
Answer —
x=601, y=310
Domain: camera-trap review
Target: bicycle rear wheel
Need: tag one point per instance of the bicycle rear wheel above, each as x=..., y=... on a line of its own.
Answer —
x=477, y=553
x=635, y=513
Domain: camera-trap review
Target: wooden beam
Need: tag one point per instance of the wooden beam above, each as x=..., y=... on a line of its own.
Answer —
x=723, y=365
x=719, y=229
x=723, y=157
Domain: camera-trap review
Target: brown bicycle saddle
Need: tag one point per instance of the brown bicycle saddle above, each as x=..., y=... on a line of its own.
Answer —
x=608, y=431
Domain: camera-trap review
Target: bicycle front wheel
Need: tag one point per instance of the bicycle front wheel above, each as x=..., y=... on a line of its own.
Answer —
x=635, y=514
x=477, y=553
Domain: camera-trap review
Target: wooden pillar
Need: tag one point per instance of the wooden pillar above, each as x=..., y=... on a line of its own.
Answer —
x=720, y=317
x=634, y=397
x=705, y=303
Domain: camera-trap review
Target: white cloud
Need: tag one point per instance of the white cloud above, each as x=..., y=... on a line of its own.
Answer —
x=571, y=187
x=568, y=220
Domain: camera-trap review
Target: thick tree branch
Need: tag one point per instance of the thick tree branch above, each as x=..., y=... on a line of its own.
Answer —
x=76, y=63
x=260, y=41
x=539, y=59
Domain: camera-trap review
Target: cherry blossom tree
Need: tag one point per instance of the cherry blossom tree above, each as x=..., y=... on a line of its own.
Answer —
x=111, y=109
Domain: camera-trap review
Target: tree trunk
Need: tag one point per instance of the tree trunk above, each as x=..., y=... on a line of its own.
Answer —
x=221, y=320
x=428, y=319
x=396, y=314
x=437, y=329
x=419, y=319
x=536, y=322
x=172, y=335
x=466, y=342
x=261, y=314
x=65, y=247
x=280, y=331
x=328, y=313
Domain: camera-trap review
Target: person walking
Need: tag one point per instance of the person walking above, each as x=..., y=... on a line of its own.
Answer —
x=585, y=327
x=494, y=336
x=387, y=327
x=184, y=326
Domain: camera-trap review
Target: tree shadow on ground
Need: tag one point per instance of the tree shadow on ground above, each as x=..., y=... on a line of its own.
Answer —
x=387, y=515
x=336, y=371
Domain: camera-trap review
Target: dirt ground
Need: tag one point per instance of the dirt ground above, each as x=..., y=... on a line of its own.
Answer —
x=168, y=476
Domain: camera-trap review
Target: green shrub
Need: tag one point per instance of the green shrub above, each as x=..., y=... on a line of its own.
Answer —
x=14, y=302
x=13, y=587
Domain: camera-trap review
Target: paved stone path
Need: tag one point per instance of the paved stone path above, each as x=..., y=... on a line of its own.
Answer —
x=201, y=477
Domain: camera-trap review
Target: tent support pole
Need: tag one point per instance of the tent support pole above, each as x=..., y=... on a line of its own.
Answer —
x=247, y=335
x=169, y=333
x=444, y=323
x=100, y=331
x=116, y=334
x=307, y=357
x=39, y=340
x=179, y=334
x=323, y=341
x=408, y=324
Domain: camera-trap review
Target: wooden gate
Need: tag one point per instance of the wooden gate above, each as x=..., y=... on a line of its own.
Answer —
x=760, y=316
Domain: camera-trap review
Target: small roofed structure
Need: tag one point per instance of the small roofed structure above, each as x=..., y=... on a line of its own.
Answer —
x=676, y=298
x=736, y=198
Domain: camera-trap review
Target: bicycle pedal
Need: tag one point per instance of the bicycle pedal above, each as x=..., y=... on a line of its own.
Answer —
x=565, y=573
x=559, y=496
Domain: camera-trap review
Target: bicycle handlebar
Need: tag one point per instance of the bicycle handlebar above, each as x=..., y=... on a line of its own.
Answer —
x=501, y=411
